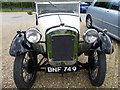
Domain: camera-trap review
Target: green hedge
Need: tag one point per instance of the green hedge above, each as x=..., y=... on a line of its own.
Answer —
x=14, y=5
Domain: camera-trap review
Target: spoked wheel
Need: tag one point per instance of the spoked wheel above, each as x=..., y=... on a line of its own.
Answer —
x=24, y=73
x=88, y=22
x=97, y=67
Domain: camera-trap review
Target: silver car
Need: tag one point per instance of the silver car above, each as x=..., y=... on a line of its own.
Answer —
x=105, y=15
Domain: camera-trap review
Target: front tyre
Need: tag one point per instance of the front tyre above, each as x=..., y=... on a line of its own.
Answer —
x=24, y=74
x=97, y=67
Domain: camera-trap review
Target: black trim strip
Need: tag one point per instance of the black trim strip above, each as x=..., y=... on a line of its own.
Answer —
x=42, y=42
x=58, y=14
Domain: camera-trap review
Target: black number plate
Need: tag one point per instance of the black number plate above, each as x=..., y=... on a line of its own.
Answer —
x=61, y=69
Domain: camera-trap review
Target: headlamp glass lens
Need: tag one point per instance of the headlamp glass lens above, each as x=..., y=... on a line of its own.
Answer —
x=90, y=36
x=33, y=35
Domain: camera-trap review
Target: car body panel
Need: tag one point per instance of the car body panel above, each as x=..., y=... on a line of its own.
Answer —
x=97, y=22
x=105, y=18
x=111, y=24
x=52, y=20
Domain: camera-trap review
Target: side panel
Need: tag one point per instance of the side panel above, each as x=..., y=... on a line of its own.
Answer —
x=96, y=15
x=112, y=17
x=110, y=23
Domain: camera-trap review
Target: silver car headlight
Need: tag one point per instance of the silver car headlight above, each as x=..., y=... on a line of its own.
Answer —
x=33, y=35
x=90, y=36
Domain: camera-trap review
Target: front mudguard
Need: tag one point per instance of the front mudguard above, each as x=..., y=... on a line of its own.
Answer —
x=106, y=43
x=103, y=44
x=16, y=47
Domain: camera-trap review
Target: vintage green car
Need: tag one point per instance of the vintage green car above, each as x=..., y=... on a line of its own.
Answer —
x=57, y=38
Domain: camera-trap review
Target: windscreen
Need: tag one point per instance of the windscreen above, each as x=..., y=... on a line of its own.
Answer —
x=50, y=7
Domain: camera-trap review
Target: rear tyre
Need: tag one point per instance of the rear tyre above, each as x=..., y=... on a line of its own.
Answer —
x=89, y=22
x=24, y=74
x=97, y=68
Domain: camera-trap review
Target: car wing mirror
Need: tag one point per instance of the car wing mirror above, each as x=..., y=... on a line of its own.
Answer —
x=104, y=31
x=29, y=13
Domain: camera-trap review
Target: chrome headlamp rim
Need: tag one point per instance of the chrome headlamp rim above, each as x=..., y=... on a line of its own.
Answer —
x=90, y=32
x=34, y=31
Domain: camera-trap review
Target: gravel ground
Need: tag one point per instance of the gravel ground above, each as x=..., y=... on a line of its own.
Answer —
x=14, y=21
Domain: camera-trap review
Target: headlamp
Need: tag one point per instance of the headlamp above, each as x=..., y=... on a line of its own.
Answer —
x=33, y=35
x=90, y=36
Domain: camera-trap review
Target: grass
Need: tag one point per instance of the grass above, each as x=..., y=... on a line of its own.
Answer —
x=16, y=7
x=16, y=10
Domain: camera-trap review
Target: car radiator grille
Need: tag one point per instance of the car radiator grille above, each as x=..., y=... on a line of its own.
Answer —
x=62, y=47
